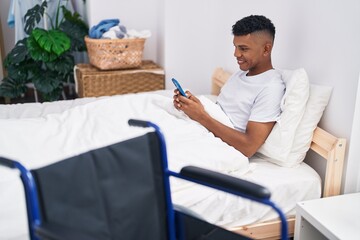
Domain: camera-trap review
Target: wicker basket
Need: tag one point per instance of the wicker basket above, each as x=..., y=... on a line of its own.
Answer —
x=92, y=82
x=109, y=54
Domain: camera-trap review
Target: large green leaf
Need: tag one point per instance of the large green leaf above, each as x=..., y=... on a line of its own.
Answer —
x=18, y=75
x=18, y=54
x=47, y=81
x=18, y=72
x=75, y=28
x=52, y=41
x=38, y=53
x=74, y=18
x=12, y=88
x=52, y=96
x=24, y=70
x=33, y=16
x=76, y=33
x=64, y=64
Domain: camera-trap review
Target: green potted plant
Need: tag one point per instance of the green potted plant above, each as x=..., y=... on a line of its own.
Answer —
x=46, y=57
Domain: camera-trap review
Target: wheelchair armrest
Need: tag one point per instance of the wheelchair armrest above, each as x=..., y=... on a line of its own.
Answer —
x=138, y=123
x=225, y=181
x=7, y=162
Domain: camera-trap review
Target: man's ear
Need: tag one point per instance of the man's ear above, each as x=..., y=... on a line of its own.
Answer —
x=267, y=48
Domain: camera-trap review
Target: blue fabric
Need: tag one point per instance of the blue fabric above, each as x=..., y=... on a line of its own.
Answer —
x=11, y=15
x=98, y=30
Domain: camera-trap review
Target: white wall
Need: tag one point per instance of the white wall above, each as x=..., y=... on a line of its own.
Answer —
x=353, y=168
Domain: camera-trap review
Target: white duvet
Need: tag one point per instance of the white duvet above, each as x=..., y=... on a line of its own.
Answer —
x=38, y=141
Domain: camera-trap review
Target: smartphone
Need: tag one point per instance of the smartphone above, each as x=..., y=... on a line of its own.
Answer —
x=178, y=86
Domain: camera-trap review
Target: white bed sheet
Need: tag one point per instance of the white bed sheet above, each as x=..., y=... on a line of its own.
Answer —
x=287, y=185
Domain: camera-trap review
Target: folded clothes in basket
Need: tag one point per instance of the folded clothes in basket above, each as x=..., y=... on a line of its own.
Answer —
x=119, y=32
x=98, y=30
x=138, y=34
x=111, y=29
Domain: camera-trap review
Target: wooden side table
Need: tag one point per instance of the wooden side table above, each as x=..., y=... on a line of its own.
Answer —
x=335, y=217
x=92, y=82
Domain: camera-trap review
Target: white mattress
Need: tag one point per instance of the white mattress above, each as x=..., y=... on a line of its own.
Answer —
x=288, y=185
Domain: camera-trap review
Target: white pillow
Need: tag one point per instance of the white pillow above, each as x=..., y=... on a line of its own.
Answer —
x=318, y=100
x=278, y=145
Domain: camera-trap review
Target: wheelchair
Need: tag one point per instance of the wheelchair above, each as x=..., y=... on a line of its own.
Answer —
x=122, y=191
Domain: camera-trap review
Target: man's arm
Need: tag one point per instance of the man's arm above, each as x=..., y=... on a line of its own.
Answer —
x=247, y=143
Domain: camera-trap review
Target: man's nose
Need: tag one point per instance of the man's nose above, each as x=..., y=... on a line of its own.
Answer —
x=237, y=53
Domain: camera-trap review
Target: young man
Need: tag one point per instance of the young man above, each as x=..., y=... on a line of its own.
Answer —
x=251, y=97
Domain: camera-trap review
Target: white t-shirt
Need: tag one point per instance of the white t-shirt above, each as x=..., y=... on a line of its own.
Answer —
x=252, y=98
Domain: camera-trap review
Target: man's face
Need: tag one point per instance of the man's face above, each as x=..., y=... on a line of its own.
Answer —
x=251, y=53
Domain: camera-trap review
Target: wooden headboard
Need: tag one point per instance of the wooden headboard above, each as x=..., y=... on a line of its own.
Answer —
x=329, y=147
x=332, y=149
x=218, y=79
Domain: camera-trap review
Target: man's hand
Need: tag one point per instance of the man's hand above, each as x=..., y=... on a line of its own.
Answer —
x=191, y=106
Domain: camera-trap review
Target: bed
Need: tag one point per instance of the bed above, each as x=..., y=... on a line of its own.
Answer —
x=49, y=132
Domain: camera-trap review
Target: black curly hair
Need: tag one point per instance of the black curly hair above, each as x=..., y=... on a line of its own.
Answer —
x=253, y=23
